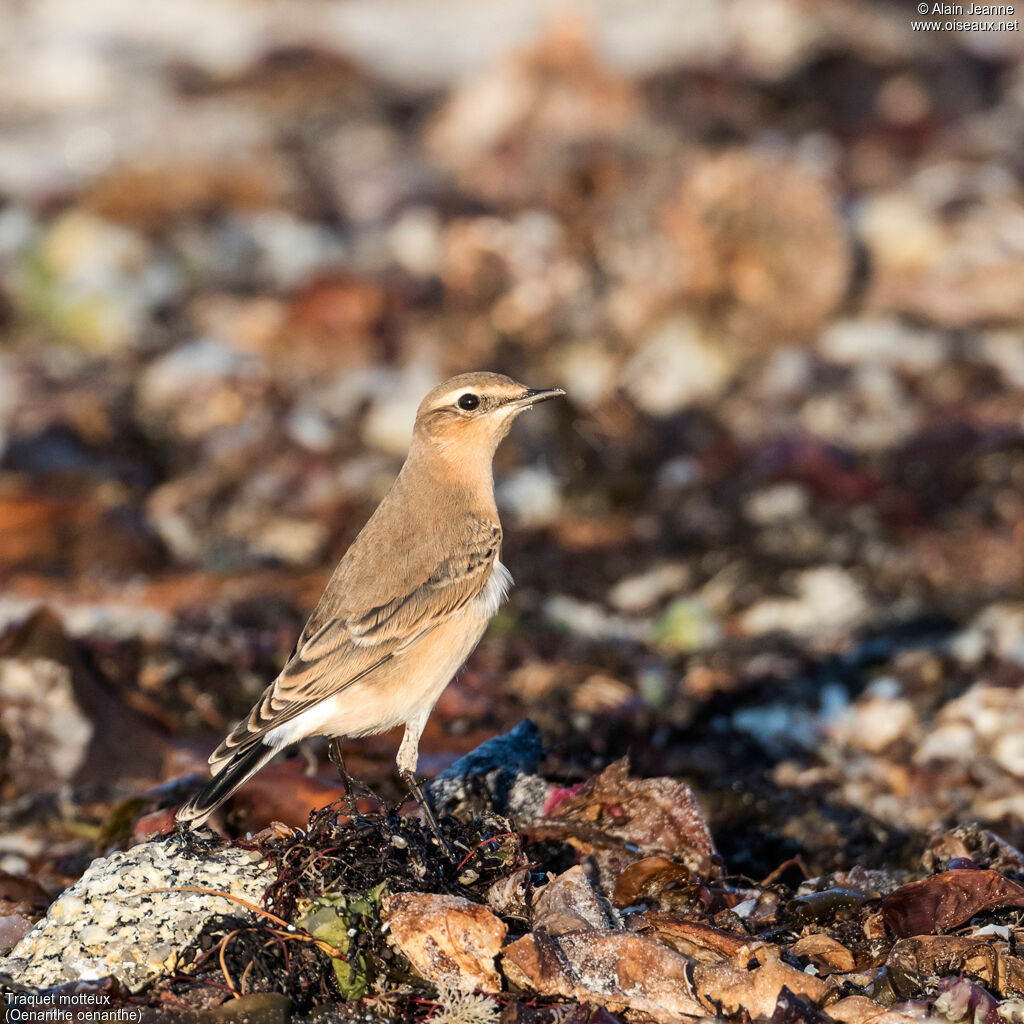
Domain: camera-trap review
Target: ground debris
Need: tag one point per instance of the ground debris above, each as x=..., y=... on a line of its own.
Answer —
x=448, y=939
x=948, y=899
x=615, y=816
x=337, y=853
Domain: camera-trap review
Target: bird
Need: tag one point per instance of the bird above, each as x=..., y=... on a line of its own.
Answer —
x=406, y=605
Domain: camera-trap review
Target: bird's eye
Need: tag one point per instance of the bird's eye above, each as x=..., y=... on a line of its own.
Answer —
x=468, y=401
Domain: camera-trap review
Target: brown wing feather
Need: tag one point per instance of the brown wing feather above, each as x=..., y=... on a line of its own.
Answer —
x=335, y=651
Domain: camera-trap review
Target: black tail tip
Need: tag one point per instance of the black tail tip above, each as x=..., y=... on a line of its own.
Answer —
x=223, y=785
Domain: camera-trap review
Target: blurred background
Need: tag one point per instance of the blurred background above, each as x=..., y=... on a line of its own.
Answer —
x=773, y=542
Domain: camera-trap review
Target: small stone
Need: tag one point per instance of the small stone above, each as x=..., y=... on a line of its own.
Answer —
x=47, y=732
x=829, y=599
x=677, y=366
x=531, y=495
x=642, y=591
x=874, y=724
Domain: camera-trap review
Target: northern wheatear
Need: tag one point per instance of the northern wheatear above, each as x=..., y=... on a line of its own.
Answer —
x=407, y=603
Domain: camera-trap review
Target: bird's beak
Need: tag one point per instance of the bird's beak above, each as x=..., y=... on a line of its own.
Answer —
x=535, y=395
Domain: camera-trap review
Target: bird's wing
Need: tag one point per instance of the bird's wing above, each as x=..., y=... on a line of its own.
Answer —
x=333, y=653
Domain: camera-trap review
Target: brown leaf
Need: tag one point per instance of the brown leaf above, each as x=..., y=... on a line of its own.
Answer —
x=655, y=815
x=855, y=1010
x=824, y=952
x=646, y=879
x=691, y=938
x=569, y=903
x=447, y=939
x=20, y=894
x=620, y=970
x=730, y=986
x=947, y=900
x=912, y=960
x=283, y=792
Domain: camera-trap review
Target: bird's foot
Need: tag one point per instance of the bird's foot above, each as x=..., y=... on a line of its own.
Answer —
x=414, y=787
x=334, y=754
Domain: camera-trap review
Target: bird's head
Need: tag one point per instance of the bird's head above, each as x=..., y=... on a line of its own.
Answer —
x=468, y=415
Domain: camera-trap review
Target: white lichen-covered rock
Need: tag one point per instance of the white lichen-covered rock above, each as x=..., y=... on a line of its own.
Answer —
x=112, y=923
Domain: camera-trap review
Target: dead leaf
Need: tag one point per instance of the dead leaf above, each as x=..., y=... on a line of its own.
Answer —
x=654, y=815
x=910, y=961
x=284, y=792
x=730, y=986
x=448, y=939
x=569, y=903
x=824, y=952
x=620, y=970
x=855, y=1010
x=947, y=900
x=699, y=941
x=646, y=879
x=926, y=956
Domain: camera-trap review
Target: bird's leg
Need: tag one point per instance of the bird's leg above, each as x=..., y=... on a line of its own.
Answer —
x=334, y=754
x=408, y=756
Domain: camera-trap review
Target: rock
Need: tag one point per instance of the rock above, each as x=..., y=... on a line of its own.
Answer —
x=686, y=625
x=885, y=341
x=828, y=599
x=677, y=366
x=742, y=225
x=388, y=423
x=985, y=718
x=415, y=241
x=620, y=970
x=874, y=723
x=196, y=387
x=256, y=1008
x=532, y=497
x=953, y=272
x=448, y=939
x=776, y=504
x=111, y=923
x=484, y=778
x=640, y=592
x=47, y=733
x=93, y=282
x=569, y=903
x=522, y=127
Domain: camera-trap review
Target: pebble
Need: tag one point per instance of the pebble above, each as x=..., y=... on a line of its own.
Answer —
x=532, y=495
x=828, y=600
x=677, y=366
x=47, y=731
x=885, y=341
x=644, y=590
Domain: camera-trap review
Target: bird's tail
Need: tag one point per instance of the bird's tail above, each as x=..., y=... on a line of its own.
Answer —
x=242, y=764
